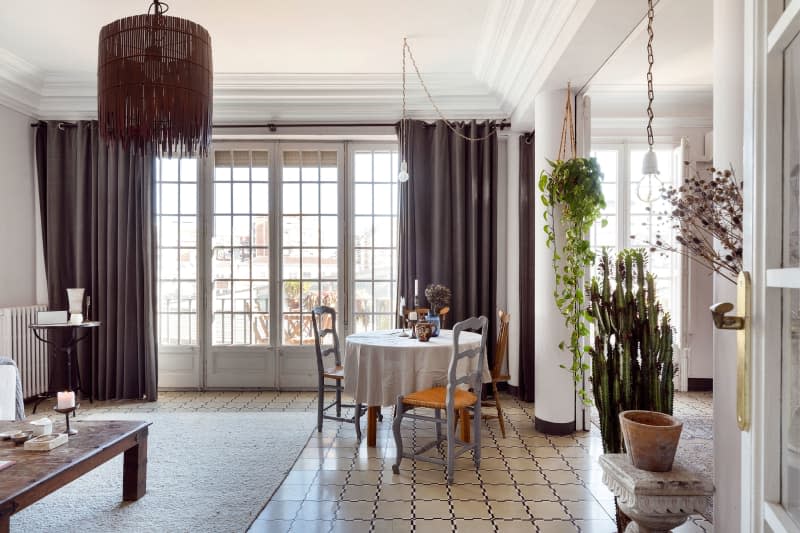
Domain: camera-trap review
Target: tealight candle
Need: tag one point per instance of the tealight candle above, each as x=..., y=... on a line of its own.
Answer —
x=65, y=400
x=412, y=316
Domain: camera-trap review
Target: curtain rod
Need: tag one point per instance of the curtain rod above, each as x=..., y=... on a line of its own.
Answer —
x=272, y=127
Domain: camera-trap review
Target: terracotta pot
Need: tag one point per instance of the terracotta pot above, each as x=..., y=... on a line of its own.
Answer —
x=424, y=331
x=651, y=439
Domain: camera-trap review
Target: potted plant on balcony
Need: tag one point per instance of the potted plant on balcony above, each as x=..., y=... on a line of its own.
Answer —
x=632, y=367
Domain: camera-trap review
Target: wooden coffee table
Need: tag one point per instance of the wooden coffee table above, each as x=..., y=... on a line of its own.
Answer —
x=37, y=474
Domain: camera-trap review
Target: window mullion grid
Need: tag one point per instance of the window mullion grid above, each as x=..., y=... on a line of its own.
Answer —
x=373, y=307
x=229, y=312
x=178, y=217
x=248, y=319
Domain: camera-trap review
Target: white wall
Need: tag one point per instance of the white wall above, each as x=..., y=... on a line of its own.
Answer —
x=728, y=148
x=17, y=210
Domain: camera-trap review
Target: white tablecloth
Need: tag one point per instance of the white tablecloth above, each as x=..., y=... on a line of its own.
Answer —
x=380, y=365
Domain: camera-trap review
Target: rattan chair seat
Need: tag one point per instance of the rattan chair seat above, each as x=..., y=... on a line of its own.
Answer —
x=336, y=372
x=435, y=398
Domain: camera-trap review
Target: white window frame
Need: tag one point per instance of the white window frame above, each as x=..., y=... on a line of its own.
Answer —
x=274, y=365
x=180, y=365
x=769, y=28
x=352, y=149
x=626, y=176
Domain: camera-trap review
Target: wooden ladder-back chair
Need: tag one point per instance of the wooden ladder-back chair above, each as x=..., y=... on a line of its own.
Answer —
x=500, y=353
x=452, y=399
x=325, y=317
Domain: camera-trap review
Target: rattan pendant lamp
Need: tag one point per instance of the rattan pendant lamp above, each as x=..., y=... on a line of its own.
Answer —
x=155, y=83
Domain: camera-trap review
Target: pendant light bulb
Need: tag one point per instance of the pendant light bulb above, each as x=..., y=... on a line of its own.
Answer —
x=650, y=185
x=402, y=176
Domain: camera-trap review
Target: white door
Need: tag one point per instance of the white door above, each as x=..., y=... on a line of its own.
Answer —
x=251, y=238
x=771, y=446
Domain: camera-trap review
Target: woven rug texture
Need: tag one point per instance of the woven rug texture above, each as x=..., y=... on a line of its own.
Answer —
x=205, y=472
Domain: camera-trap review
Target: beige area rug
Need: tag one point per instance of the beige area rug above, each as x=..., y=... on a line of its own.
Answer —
x=205, y=472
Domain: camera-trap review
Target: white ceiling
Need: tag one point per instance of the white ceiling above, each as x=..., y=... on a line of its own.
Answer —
x=256, y=36
x=682, y=48
x=682, y=72
x=319, y=60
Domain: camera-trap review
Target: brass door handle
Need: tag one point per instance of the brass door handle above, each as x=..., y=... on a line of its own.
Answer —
x=742, y=326
x=721, y=321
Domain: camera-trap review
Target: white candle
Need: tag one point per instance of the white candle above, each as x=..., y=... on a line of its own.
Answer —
x=402, y=305
x=66, y=400
x=416, y=287
x=412, y=316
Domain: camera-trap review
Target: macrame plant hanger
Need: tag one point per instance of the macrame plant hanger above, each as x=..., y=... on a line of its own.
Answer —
x=568, y=130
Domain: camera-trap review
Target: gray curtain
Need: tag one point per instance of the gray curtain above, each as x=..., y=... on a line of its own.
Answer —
x=96, y=205
x=448, y=217
x=528, y=196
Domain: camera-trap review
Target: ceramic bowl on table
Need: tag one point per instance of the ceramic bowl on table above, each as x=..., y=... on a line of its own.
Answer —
x=21, y=436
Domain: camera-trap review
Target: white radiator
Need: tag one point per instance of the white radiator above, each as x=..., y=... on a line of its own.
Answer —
x=28, y=352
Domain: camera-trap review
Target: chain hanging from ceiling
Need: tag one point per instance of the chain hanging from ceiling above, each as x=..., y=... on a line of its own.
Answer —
x=650, y=185
x=407, y=53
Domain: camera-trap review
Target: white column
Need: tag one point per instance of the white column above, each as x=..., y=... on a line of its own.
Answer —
x=512, y=257
x=554, y=389
x=728, y=65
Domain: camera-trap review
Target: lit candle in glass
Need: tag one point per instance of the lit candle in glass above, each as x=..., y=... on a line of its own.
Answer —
x=65, y=400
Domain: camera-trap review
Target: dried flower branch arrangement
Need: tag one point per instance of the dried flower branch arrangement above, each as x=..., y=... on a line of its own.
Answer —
x=706, y=212
x=438, y=295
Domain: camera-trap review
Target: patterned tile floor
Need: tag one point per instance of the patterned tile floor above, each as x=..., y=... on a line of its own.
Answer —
x=527, y=481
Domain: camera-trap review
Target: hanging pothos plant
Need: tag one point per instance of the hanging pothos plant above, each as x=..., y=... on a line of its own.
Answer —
x=572, y=190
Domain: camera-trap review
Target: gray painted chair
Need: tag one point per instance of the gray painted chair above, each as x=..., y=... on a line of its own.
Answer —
x=323, y=320
x=452, y=399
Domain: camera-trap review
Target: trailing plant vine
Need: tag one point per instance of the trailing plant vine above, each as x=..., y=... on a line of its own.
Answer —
x=572, y=187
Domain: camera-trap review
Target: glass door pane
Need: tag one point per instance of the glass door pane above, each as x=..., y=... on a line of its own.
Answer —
x=176, y=225
x=240, y=264
x=650, y=225
x=309, y=255
x=790, y=405
x=606, y=234
x=375, y=238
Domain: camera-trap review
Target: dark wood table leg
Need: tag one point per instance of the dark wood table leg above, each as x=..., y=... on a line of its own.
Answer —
x=372, y=425
x=5, y=523
x=134, y=470
x=465, y=423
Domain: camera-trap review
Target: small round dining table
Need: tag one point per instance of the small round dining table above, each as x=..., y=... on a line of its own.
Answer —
x=381, y=365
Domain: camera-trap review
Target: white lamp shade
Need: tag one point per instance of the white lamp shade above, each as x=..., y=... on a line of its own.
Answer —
x=650, y=163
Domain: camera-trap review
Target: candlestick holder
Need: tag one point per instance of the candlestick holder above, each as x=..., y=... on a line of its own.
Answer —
x=66, y=412
x=403, y=322
x=413, y=328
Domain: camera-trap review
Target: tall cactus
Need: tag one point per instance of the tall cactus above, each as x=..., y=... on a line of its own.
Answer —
x=631, y=354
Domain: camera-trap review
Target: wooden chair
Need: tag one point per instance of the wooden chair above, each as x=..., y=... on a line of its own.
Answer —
x=452, y=399
x=501, y=350
x=323, y=315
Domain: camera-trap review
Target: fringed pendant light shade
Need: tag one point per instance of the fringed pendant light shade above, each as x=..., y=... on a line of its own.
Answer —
x=155, y=83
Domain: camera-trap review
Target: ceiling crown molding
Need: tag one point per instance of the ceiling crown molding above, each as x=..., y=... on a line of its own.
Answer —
x=20, y=84
x=264, y=97
x=520, y=45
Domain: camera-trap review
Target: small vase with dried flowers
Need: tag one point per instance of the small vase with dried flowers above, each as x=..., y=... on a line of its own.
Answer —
x=439, y=297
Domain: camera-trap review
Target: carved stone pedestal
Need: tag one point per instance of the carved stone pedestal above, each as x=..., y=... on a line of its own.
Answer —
x=655, y=501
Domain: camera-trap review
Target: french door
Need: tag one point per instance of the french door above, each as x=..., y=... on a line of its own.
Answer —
x=272, y=229
x=771, y=447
